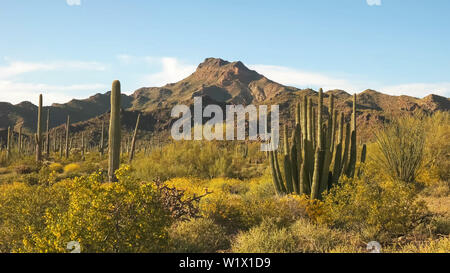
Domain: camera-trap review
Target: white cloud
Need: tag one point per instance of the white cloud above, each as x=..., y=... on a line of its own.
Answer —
x=304, y=79
x=172, y=71
x=73, y=2
x=418, y=90
x=14, y=68
x=373, y=2
x=16, y=92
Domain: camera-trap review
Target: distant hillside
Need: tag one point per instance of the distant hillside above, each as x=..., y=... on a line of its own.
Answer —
x=220, y=82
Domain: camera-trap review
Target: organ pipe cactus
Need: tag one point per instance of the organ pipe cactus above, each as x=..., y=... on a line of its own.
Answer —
x=114, y=132
x=317, y=154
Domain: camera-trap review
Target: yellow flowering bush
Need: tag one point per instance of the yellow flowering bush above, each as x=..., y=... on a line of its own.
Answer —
x=379, y=211
x=126, y=216
x=72, y=167
x=56, y=167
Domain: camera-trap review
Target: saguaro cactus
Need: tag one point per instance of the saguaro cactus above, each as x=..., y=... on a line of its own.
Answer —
x=47, y=144
x=8, y=144
x=38, y=135
x=114, y=131
x=82, y=145
x=102, y=139
x=313, y=149
x=352, y=162
x=133, y=141
x=67, y=137
x=19, y=146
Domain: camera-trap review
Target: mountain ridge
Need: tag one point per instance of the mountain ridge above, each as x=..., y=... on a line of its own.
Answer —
x=217, y=81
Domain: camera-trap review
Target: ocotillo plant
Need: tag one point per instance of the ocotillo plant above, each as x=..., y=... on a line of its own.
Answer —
x=38, y=135
x=133, y=141
x=312, y=161
x=67, y=137
x=114, y=132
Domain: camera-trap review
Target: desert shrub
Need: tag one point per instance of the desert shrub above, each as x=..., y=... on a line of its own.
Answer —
x=200, y=235
x=302, y=236
x=71, y=168
x=441, y=245
x=401, y=147
x=437, y=189
x=22, y=208
x=441, y=225
x=4, y=171
x=265, y=238
x=24, y=169
x=319, y=238
x=437, y=146
x=29, y=179
x=127, y=216
x=206, y=159
x=378, y=211
x=240, y=205
x=57, y=167
x=236, y=212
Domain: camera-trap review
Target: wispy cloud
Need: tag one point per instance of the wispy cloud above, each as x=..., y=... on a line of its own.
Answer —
x=14, y=68
x=418, y=90
x=15, y=91
x=373, y=2
x=73, y=2
x=168, y=69
x=172, y=71
x=305, y=79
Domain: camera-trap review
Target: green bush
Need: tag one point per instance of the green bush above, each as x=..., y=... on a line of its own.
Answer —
x=401, y=147
x=378, y=211
x=437, y=146
x=127, y=216
x=200, y=235
x=200, y=159
x=302, y=236
x=265, y=238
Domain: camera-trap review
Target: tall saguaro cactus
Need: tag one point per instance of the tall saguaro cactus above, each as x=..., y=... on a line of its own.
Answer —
x=313, y=160
x=102, y=139
x=83, y=146
x=133, y=141
x=67, y=137
x=8, y=144
x=19, y=146
x=47, y=144
x=38, y=135
x=114, y=132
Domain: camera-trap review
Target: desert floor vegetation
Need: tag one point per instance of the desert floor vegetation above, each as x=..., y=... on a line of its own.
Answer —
x=219, y=197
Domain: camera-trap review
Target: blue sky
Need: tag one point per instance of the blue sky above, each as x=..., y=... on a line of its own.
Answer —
x=76, y=48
